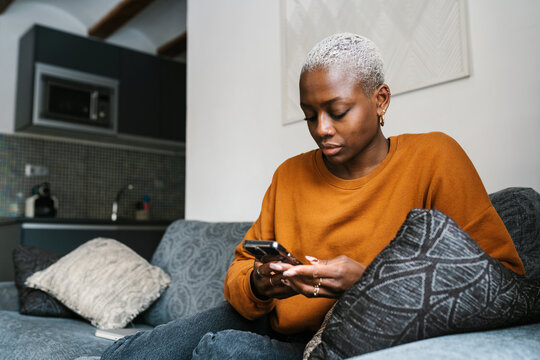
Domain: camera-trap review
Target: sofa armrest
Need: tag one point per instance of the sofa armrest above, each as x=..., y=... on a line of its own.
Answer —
x=9, y=299
x=196, y=255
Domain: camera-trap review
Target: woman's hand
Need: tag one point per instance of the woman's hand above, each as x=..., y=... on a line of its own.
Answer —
x=266, y=281
x=323, y=278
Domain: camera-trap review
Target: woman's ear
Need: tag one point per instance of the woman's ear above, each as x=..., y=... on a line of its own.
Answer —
x=382, y=95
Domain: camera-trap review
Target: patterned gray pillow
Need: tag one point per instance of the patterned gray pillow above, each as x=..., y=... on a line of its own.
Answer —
x=519, y=209
x=431, y=280
x=196, y=255
x=104, y=281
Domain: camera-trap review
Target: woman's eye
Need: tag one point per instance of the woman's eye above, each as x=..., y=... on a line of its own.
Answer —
x=310, y=118
x=339, y=116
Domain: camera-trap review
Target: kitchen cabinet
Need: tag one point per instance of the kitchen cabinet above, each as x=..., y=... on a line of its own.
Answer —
x=172, y=100
x=139, y=95
x=156, y=109
x=63, y=236
x=58, y=48
x=75, y=52
x=151, y=96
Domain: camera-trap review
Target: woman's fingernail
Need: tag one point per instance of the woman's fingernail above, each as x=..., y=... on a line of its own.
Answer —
x=274, y=266
x=289, y=273
x=312, y=259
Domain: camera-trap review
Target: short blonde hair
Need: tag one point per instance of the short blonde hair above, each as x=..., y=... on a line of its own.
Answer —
x=353, y=53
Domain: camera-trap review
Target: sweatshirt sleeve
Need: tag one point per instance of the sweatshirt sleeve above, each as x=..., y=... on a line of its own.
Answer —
x=238, y=290
x=457, y=190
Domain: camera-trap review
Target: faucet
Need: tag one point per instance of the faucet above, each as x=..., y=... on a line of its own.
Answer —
x=114, y=215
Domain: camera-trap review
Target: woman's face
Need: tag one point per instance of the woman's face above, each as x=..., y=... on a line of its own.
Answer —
x=342, y=119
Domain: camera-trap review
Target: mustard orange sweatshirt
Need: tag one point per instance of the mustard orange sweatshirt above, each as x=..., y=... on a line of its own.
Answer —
x=312, y=212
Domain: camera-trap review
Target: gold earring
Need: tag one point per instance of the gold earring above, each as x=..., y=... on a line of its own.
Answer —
x=381, y=120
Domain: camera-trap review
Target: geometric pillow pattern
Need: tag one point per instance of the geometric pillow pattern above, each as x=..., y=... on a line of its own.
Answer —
x=27, y=260
x=431, y=280
x=196, y=255
x=519, y=209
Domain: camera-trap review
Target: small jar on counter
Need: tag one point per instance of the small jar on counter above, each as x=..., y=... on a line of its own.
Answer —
x=142, y=211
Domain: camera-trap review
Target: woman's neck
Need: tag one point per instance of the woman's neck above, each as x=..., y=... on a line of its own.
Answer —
x=363, y=164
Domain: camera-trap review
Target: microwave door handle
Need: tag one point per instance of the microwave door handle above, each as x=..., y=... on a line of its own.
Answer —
x=94, y=97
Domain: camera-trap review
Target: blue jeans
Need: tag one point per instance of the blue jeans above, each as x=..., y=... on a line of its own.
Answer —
x=217, y=333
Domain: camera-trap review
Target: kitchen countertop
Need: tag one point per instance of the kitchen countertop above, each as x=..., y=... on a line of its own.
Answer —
x=120, y=222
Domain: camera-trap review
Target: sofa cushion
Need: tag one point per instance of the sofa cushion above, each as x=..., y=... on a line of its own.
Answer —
x=519, y=209
x=431, y=280
x=196, y=255
x=45, y=338
x=9, y=298
x=104, y=281
x=27, y=260
x=518, y=342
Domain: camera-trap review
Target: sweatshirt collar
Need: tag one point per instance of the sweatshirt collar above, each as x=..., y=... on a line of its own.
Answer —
x=333, y=180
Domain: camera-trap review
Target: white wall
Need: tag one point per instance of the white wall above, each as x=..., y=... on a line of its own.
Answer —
x=495, y=113
x=235, y=138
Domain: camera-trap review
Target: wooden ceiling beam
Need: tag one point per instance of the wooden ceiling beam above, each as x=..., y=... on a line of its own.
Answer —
x=4, y=4
x=174, y=47
x=118, y=16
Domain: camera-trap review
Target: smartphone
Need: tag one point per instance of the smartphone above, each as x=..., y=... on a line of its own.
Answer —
x=268, y=250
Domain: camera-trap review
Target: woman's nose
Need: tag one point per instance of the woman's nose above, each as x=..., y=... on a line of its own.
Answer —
x=325, y=127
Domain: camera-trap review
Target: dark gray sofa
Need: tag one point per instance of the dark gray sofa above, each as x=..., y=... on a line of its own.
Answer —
x=190, y=248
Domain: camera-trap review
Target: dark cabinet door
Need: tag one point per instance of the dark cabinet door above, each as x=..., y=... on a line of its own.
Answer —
x=172, y=100
x=75, y=52
x=25, y=81
x=55, y=238
x=139, y=110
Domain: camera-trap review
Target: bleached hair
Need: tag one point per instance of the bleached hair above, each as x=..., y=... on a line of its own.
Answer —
x=352, y=53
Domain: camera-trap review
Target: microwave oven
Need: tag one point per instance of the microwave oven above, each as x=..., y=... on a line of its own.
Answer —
x=76, y=100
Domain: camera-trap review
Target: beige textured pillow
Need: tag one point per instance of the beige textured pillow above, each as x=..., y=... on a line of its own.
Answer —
x=104, y=281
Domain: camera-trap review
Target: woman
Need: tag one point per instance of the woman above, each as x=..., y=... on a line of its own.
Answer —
x=341, y=203
x=345, y=201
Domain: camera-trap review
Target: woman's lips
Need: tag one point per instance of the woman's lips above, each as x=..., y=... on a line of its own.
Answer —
x=331, y=150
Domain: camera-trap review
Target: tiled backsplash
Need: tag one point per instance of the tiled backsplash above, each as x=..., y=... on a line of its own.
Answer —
x=85, y=177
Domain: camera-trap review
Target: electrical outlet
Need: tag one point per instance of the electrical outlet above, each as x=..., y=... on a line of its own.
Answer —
x=35, y=170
